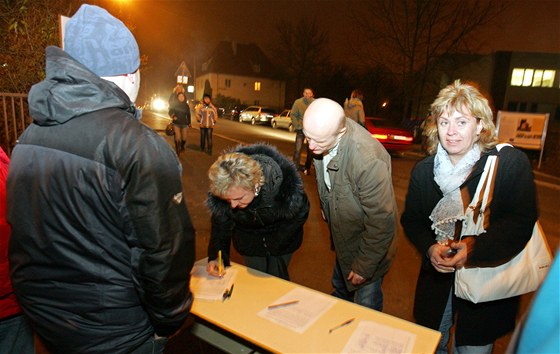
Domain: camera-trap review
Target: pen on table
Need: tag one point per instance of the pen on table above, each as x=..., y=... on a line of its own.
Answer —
x=227, y=293
x=220, y=263
x=272, y=307
x=345, y=323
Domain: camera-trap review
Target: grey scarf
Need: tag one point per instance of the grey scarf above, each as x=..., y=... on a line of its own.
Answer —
x=449, y=178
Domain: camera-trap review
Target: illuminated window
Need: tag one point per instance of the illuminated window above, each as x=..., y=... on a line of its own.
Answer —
x=228, y=83
x=528, y=77
x=532, y=77
x=517, y=77
x=257, y=85
x=537, y=78
x=548, y=78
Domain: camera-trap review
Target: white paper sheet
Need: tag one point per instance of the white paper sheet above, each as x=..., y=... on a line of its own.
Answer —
x=207, y=287
x=298, y=317
x=372, y=337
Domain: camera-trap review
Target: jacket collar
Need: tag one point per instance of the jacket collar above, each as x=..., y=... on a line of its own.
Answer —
x=70, y=90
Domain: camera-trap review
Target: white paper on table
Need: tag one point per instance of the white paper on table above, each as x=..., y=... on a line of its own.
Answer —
x=300, y=316
x=372, y=337
x=207, y=287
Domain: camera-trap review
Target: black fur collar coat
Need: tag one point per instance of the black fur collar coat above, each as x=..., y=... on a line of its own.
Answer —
x=273, y=223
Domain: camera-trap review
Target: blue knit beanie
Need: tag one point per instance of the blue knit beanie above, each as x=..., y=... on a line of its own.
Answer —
x=101, y=42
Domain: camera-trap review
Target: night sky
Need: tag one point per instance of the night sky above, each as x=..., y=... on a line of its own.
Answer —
x=172, y=31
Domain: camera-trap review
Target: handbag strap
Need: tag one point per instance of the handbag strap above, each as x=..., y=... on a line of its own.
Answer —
x=488, y=175
x=491, y=165
x=477, y=217
x=489, y=184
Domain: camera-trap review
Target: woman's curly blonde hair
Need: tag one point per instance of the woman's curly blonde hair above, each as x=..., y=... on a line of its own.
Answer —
x=458, y=97
x=234, y=169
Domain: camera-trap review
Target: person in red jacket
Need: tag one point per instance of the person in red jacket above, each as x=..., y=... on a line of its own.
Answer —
x=16, y=335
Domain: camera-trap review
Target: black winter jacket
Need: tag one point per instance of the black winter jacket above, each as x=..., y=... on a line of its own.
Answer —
x=513, y=215
x=273, y=223
x=181, y=111
x=102, y=243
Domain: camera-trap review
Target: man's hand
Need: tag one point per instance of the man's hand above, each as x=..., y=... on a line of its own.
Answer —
x=355, y=278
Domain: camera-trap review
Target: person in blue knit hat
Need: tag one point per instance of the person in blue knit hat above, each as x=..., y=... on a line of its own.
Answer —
x=102, y=243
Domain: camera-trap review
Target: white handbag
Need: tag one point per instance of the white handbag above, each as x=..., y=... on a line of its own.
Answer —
x=522, y=274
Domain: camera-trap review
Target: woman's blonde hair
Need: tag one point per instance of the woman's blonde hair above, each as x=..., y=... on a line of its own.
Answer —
x=234, y=169
x=458, y=97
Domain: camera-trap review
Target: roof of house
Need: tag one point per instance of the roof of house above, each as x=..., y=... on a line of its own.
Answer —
x=239, y=59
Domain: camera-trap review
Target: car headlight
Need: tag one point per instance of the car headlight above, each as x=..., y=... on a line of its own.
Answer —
x=158, y=104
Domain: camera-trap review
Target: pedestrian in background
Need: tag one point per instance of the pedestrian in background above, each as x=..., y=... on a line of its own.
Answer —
x=176, y=91
x=357, y=200
x=102, y=243
x=354, y=108
x=16, y=335
x=207, y=116
x=180, y=113
x=460, y=136
x=257, y=201
x=298, y=110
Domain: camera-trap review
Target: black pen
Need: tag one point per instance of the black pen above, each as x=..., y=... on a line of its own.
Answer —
x=345, y=323
x=227, y=293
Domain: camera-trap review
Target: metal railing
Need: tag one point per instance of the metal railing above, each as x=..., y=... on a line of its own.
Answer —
x=15, y=118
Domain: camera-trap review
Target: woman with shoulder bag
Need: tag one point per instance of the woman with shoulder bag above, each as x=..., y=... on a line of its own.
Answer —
x=460, y=137
x=180, y=112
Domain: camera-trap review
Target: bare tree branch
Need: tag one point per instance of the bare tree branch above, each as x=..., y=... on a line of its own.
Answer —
x=407, y=37
x=300, y=49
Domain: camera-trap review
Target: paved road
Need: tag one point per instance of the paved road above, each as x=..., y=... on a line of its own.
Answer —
x=312, y=263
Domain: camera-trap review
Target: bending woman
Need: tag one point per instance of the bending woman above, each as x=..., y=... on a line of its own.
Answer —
x=257, y=201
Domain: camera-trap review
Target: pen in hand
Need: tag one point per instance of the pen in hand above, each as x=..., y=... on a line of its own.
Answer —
x=220, y=264
x=345, y=323
x=272, y=307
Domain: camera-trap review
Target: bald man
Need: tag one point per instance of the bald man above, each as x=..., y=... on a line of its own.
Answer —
x=354, y=183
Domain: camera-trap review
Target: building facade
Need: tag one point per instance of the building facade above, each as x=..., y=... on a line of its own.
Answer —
x=241, y=72
x=514, y=82
x=518, y=82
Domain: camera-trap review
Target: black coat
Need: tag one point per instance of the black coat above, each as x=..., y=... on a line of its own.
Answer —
x=513, y=215
x=273, y=223
x=102, y=243
x=181, y=111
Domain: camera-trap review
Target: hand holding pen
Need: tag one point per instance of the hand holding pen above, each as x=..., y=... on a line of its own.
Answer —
x=216, y=267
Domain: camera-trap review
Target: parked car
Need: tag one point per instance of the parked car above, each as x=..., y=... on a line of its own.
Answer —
x=392, y=137
x=236, y=110
x=257, y=114
x=283, y=120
